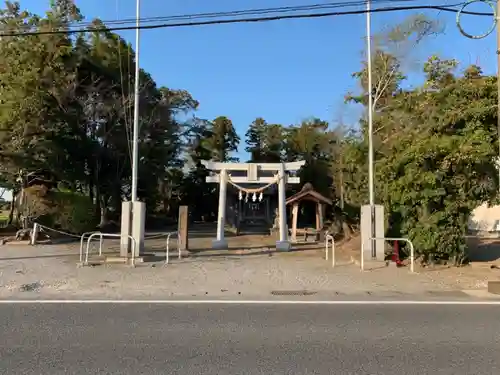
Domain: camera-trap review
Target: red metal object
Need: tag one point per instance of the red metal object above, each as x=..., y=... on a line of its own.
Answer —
x=395, y=254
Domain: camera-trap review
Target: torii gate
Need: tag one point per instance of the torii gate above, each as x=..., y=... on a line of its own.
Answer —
x=223, y=177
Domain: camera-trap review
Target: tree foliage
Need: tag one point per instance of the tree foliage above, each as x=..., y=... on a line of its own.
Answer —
x=435, y=147
x=66, y=120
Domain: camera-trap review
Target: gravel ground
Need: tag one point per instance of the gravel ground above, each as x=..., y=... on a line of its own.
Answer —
x=50, y=271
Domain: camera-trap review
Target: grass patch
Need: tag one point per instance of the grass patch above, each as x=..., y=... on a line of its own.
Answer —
x=4, y=215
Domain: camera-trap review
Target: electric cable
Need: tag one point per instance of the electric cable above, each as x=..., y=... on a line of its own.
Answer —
x=446, y=8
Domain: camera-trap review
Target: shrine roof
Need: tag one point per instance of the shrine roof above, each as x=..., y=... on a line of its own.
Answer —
x=308, y=193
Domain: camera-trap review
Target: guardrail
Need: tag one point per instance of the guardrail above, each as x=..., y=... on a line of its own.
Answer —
x=329, y=239
x=412, y=250
x=110, y=235
x=167, y=248
x=82, y=238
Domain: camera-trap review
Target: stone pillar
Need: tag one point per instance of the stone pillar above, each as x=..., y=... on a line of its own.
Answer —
x=366, y=231
x=138, y=226
x=379, y=227
x=125, y=228
x=283, y=244
x=220, y=242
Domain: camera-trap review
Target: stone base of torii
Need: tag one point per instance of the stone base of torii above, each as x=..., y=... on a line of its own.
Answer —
x=222, y=176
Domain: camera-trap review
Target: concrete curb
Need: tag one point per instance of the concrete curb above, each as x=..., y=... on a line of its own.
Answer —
x=481, y=293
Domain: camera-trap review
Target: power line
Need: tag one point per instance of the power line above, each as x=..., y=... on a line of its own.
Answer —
x=247, y=12
x=445, y=8
x=82, y=26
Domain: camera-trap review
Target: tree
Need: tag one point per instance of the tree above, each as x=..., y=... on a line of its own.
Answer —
x=36, y=73
x=394, y=51
x=393, y=58
x=311, y=141
x=435, y=147
x=439, y=172
x=223, y=139
x=265, y=142
x=68, y=108
x=254, y=139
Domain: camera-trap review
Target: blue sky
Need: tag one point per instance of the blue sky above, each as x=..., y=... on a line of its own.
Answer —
x=284, y=71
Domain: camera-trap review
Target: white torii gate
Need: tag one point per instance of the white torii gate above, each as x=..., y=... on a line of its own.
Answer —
x=252, y=177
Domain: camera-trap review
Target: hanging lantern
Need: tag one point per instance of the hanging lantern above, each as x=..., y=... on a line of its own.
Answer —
x=254, y=197
x=240, y=195
x=261, y=196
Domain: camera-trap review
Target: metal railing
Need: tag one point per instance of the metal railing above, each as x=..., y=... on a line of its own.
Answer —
x=167, y=247
x=34, y=234
x=82, y=238
x=412, y=250
x=109, y=235
x=330, y=240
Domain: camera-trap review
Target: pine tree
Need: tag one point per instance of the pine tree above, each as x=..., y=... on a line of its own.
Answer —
x=254, y=139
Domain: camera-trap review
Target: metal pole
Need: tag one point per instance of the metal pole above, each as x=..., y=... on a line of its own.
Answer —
x=135, y=136
x=370, y=123
x=498, y=85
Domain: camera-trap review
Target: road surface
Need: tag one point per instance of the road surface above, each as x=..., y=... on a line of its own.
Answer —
x=250, y=339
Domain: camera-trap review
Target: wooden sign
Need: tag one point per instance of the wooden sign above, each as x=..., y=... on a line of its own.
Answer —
x=183, y=228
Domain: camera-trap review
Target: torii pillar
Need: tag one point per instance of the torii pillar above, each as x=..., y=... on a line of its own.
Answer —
x=221, y=176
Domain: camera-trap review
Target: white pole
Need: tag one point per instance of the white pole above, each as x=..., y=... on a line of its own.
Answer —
x=282, y=205
x=135, y=136
x=370, y=121
x=221, y=212
x=220, y=242
x=34, y=234
x=498, y=82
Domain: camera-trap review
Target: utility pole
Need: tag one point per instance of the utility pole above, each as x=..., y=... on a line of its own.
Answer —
x=134, y=212
x=341, y=175
x=135, y=135
x=498, y=84
x=370, y=126
x=138, y=208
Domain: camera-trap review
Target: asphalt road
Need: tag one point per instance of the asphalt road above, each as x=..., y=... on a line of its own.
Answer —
x=250, y=339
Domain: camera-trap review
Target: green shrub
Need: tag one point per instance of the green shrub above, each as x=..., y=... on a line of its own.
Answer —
x=4, y=205
x=67, y=211
x=76, y=213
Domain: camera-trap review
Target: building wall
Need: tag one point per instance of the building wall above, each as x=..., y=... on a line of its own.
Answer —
x=485, y=219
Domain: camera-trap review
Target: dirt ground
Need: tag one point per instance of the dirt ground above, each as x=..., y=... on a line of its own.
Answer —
x=251, y=268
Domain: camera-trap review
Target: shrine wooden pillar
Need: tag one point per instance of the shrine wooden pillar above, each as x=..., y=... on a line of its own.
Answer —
x=295, y=214
x=319, y=219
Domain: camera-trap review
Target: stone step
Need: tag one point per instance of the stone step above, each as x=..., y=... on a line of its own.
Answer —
x=107, y=259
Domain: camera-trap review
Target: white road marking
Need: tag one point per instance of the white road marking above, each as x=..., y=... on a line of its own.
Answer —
x=246, y=302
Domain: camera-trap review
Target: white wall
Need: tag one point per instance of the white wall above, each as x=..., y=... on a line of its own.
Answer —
x=485, y=218
x=7, y=195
